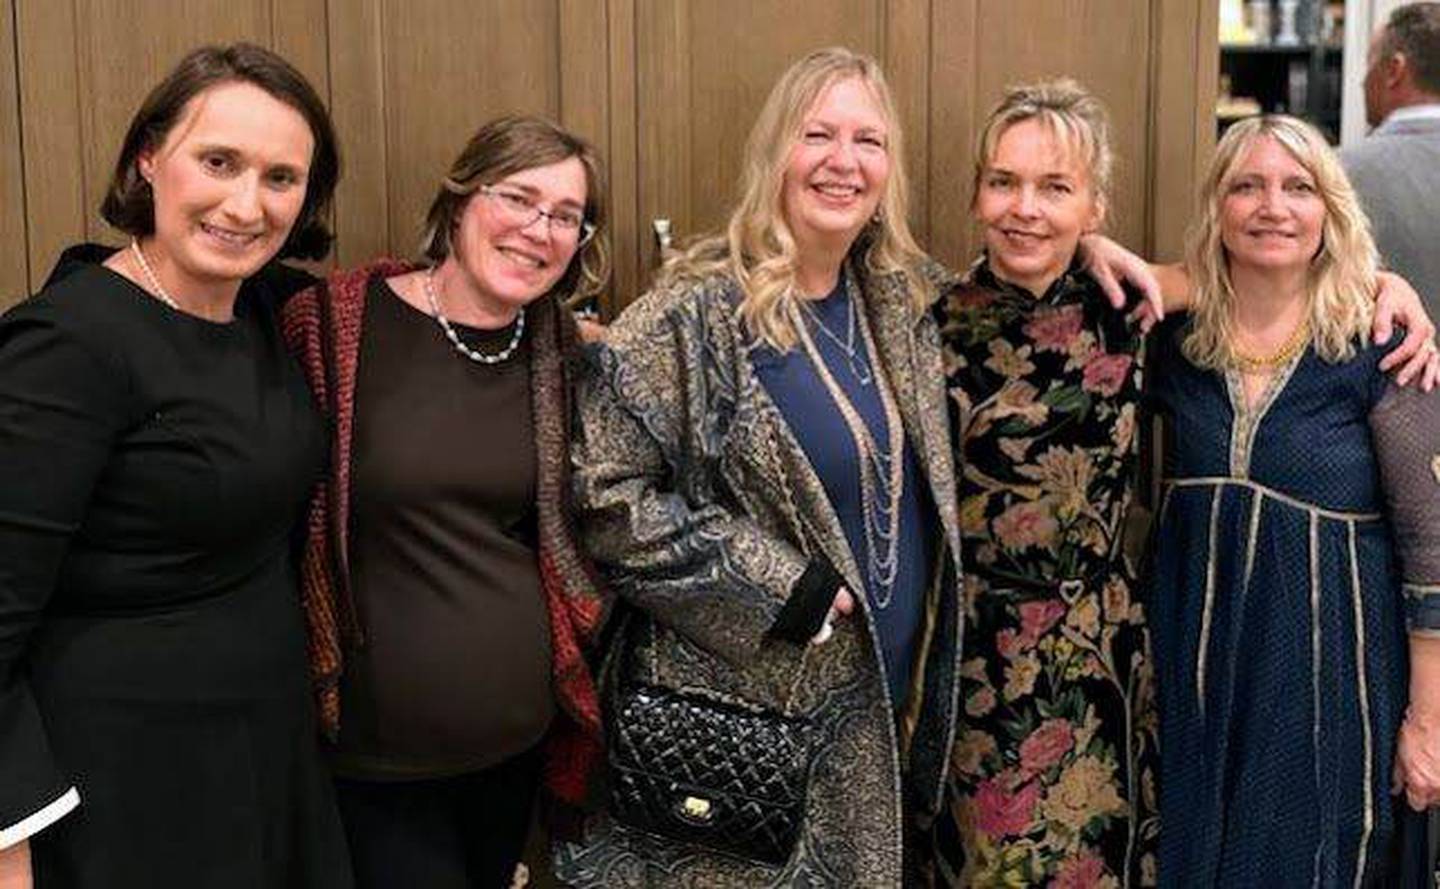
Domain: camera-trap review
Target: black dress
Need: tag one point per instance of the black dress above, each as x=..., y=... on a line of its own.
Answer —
x=152, y=653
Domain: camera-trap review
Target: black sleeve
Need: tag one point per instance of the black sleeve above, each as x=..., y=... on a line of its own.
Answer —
x=60, y=403
x=274, y=284
x=803, y=613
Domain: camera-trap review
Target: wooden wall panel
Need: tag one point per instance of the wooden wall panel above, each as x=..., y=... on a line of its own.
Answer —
x=906, y=58
x=357, y=104
x=297, y=32
x=14, y=263
x=56, y=203
x=623, y=157
x=955, y=110
x=586, y=101
x=1182, y=131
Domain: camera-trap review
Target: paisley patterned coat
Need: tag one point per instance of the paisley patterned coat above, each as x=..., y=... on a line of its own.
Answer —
x=702, y=510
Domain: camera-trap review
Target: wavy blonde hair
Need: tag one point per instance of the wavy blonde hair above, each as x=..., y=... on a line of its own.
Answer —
x=1074, y=117
x=758, y=247
x=1341, y=277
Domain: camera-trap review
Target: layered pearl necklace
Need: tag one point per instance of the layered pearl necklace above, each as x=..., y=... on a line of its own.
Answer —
x=881, y=467
x=151, y=278
x=454, y=338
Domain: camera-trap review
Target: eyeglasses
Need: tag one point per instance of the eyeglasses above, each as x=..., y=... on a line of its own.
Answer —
x=520, y=211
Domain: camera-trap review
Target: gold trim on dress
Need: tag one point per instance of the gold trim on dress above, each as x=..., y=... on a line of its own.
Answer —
x=1257, y=502
x=1209, y=607
x=1246, y=423
x=1369, y=745
x=1271, y=493
x=1315, y=660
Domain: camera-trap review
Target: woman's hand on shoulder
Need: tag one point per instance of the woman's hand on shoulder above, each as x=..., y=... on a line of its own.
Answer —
x=590, y=330
x=1110, y=264
x=1417, y=356
x=15, y=872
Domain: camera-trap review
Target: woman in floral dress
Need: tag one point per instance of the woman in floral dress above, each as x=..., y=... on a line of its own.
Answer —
x=1053, y=772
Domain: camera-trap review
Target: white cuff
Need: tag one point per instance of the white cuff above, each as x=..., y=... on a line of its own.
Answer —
x=33, y=824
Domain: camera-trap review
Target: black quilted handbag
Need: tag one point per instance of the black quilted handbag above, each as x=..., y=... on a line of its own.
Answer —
x=692, y=768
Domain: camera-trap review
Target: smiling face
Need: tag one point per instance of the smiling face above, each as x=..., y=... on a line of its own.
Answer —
x=504, y=262
x=228, y=184
x=1272, y=215
x=837, y=169
x=1034, y=201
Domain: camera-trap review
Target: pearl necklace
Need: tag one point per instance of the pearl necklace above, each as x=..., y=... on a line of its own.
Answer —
x=156, y=288
x=450, y=334
x=882, y=470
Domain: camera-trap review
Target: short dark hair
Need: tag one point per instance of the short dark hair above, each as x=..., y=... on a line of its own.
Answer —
x=1414, y=29
x=503, y=147
x=129, y=204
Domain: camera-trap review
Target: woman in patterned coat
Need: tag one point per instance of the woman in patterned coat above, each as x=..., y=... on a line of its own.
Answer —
x=764, y=474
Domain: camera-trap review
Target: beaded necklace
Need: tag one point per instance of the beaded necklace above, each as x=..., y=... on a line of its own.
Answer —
x=454, y=338
x=882, y=471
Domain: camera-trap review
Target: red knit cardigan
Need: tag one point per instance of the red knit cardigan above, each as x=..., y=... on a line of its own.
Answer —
x=322, y=327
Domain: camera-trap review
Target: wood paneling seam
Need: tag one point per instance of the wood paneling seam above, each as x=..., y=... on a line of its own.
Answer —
x=20, y=141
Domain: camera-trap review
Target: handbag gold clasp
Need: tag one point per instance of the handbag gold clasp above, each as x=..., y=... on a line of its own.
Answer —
x=695, y=808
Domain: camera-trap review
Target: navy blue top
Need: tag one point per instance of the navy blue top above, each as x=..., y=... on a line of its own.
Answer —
x=813, y=417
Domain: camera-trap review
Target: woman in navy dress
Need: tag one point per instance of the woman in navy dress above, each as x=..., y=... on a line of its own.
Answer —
x=1298, y=555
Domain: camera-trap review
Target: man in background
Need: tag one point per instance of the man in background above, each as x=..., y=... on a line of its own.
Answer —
x=1396, y=169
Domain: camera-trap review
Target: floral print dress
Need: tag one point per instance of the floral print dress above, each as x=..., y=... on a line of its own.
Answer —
x=1053, y=769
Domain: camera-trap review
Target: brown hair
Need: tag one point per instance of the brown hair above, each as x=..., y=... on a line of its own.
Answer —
x=509, y=145
x=129, y=204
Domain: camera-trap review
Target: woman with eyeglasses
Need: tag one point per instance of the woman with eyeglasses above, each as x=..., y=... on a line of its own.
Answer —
x=448, y=601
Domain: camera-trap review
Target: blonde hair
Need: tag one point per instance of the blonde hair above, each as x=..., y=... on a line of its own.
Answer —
x=757, y=247
x=1068, y=111
x=1341, y=277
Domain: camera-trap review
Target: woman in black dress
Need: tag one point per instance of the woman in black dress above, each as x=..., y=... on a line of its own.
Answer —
x=156, y=446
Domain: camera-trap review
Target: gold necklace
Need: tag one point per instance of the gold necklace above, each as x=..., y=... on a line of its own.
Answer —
x=1247, y=363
